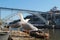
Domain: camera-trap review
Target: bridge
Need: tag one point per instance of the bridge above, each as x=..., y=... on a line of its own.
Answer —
x=36, y=13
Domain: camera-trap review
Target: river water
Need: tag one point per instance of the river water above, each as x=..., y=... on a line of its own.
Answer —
x=54, y=34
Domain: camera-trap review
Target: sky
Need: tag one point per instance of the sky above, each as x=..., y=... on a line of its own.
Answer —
x=37, y=5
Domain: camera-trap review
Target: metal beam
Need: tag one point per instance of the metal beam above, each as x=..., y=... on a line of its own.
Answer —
x=19, y=9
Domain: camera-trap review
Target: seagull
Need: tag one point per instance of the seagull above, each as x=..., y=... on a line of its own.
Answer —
x=31, y=29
